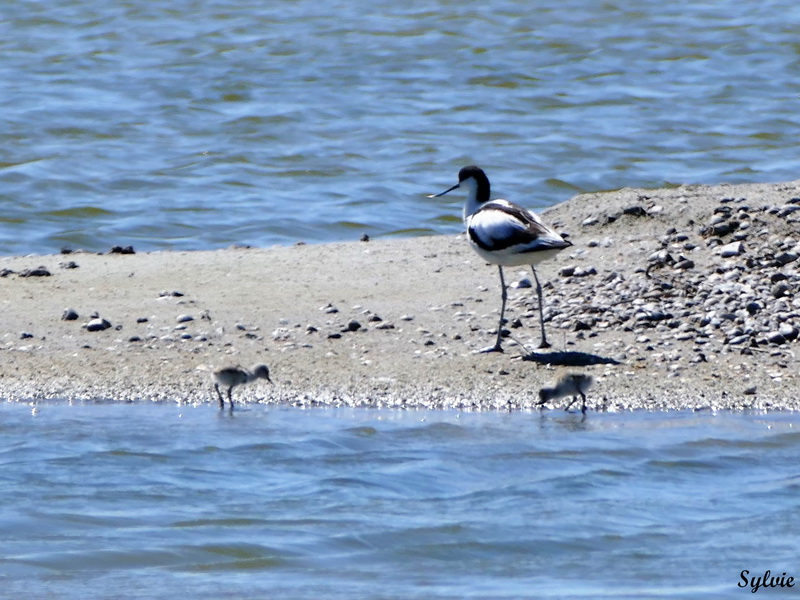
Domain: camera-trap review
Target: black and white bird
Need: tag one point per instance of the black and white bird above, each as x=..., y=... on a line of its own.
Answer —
x=230, y=377
x=505, y=234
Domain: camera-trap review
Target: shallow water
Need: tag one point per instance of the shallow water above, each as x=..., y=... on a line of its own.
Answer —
x=200, y=124
x=160, y=501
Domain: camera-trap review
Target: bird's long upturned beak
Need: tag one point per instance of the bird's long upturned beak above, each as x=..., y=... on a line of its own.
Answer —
x=444, y=192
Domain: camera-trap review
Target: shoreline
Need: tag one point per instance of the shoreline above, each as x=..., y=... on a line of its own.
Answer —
x=684, y=298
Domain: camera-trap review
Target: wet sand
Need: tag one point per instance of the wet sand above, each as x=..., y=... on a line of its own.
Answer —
x=685, y=298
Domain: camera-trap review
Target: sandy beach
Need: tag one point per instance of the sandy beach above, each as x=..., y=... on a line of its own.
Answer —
x=684, y=298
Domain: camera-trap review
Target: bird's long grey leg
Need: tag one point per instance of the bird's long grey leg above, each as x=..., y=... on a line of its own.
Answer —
x=544, y=343
x=504, y=296
x=583, y=406
x=230, y=398
x=221, y=400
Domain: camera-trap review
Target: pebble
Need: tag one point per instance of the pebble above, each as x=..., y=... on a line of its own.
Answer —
x=567, y=271
x=731, y=250
x=788, y=331
x=776, y=277
x=776, y=337
x=522, y=283
x=185, y=318
x=784, y=258
x=37, y=272
x=635, y=211
x=753, y=307
x=97, y=324
x=351, y=326
x=606, y=242
x=584, y=271
x=69, y=314
x=780, y=289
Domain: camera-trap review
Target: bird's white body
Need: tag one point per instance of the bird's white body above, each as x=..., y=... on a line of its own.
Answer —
x=493, y=229
x=502, y=232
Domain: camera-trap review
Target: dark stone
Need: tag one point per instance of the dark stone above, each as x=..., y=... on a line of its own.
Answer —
x=37, y=272
x=753, y=307
x=97, y=325
x=581, y=326
x=352, y=326
x=779, y=290
x=784, y=258
x=635, y=211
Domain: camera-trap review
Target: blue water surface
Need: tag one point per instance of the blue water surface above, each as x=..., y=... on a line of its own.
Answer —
x=197, y=125
x=157, y=500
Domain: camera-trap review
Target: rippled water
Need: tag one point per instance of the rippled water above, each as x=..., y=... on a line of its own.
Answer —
x=200, y=124
x=164, y=501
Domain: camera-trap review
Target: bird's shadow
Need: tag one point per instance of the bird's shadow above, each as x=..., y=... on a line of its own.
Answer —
x=568, y=359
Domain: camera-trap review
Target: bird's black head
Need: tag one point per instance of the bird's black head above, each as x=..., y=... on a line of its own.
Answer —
x=481, y=182
x=473, y=178
x=471, y=171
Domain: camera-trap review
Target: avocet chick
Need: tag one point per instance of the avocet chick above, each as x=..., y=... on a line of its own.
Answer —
x=570, y=384
x=230, y=377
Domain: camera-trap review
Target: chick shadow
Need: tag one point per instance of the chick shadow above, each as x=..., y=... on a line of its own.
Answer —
x=568, y=358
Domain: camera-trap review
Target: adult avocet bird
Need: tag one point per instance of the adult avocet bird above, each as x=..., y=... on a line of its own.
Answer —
x=505, y=234
x=571, y=384
x=230, y=377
